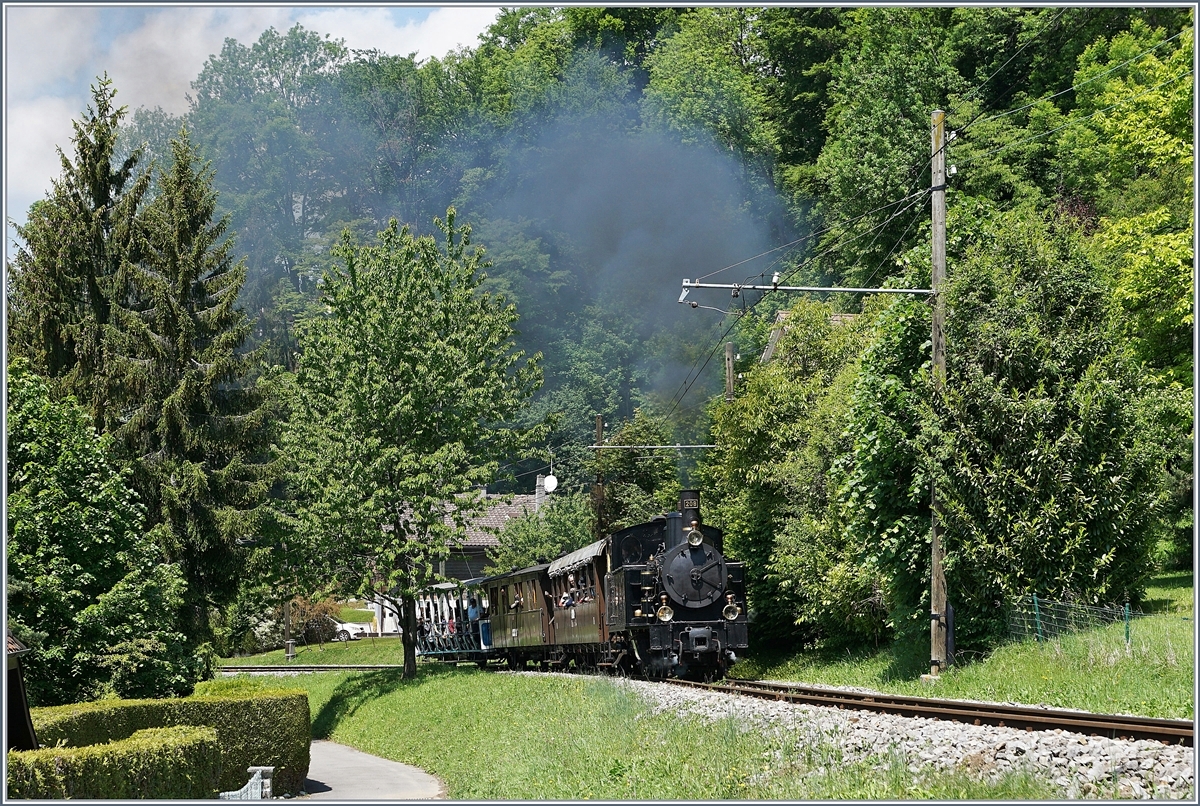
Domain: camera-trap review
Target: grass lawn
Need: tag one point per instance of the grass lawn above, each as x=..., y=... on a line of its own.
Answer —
x=348, y=612
x=1153, y=675
x=502, y=736
x=362, y=651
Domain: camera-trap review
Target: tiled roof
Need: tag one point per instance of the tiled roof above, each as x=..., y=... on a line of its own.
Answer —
x=482, y=531
x=15, y=646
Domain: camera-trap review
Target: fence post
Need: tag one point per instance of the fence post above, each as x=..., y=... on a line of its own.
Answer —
x=1127, y=624
x=1037, y=618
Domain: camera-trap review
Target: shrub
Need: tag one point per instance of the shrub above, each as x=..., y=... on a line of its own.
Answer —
x=183, y=761
x=82, y=575
x=264, y=728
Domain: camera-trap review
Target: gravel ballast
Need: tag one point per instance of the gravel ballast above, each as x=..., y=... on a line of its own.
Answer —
x=1082, y=766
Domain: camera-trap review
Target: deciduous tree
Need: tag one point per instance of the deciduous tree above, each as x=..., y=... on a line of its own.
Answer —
x=1046, y=480
x=563, y=524
x=402, y=398
x=86, y=589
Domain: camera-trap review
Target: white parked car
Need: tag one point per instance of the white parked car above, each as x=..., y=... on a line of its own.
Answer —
x=349, y=630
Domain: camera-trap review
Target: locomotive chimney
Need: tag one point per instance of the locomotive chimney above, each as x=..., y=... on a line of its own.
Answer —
x=689, y=505
x=674, y=529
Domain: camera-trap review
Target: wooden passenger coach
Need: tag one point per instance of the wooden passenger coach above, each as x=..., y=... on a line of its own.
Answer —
x=520, y=610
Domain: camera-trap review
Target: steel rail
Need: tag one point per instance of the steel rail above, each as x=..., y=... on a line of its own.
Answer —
x=1113, y=726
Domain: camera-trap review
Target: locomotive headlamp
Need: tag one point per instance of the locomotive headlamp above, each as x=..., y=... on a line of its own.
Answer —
x=694, y=538
x=665, y=613
x=730, y=612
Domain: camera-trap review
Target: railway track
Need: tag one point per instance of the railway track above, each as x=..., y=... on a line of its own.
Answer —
x=1113, y=726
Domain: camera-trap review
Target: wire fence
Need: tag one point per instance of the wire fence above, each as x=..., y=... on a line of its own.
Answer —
x=1042, y=619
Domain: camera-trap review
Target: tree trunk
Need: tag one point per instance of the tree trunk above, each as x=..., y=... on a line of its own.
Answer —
x=408, y=604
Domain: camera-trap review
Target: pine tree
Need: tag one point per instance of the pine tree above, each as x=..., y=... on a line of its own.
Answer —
x=192, y=416
x=69, y=269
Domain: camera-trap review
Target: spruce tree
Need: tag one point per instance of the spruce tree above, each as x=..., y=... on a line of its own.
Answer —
x=193, y=418
x=69, y=268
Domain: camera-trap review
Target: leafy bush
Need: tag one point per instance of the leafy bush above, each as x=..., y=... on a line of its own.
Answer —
x=183, y=761
x=260, y=728
x=87, y=589
x=775, y=479
x=563, y=524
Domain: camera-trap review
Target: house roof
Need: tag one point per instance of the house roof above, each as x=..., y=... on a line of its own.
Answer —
x=15, y=647
x=482, y=531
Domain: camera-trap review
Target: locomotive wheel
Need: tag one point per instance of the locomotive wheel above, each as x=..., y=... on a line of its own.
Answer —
x=514, y=663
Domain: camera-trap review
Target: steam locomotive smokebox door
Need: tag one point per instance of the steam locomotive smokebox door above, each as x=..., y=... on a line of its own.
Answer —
x=694, y=575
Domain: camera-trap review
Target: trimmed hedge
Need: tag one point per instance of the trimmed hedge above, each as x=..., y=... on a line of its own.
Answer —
x=177, y=762
x=261, y=729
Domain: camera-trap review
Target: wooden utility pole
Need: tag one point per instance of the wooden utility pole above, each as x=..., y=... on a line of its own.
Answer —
x=728, y=372
x=598, y=488
x=937, y=581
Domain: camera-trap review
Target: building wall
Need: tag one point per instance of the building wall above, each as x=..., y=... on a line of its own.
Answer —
x=466, y=563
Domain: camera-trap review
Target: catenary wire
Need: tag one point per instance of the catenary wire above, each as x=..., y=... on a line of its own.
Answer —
x=689, y=383
x=691, y=379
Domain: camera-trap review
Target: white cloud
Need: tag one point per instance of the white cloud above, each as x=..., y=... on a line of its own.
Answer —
x=30, y=160
x=44, y=46
x=375, y=28
x=155, y=64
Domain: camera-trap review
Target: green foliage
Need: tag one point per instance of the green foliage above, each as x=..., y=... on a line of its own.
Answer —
x=702, y=81
x=1045, y=480
x=264, y=115
x=86, y=589
x=263, y=727
x=563, y=524
x=160, y=763
x=893, y=74
x=800, y=47
x=400, y=406
x=775, y=476
x=1134, y=121
x=627, y=33
x=1153, y=288
x=639, y=483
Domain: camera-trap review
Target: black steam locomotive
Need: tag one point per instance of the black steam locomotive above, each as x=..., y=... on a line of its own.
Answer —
x=658, y=599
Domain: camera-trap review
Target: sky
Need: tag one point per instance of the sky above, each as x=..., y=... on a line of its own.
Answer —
x=152, y=53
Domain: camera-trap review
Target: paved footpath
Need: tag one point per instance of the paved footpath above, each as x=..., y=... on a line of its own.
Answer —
x=338, y=772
